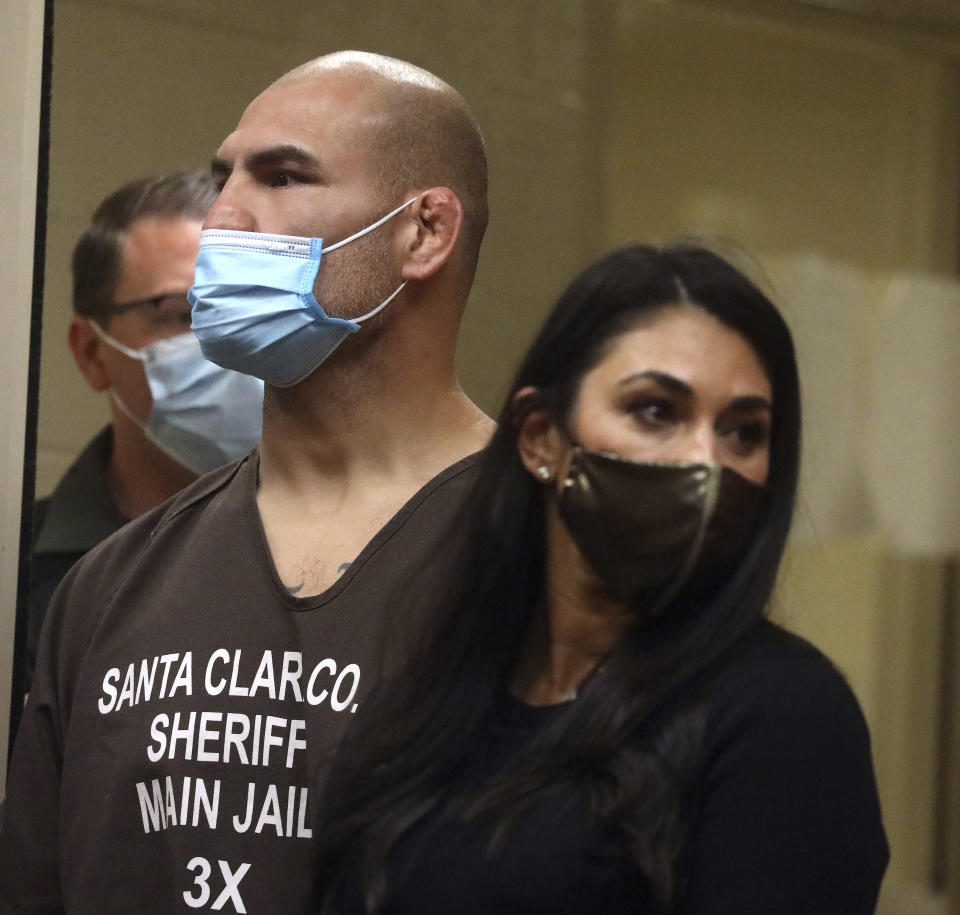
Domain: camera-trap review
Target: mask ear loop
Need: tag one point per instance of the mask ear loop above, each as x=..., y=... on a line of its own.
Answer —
x=360, y=234
x=346, y=241
x=381, y=306
x=133, y=354
x=576, y=449
x=116, y=344
x=126, y=411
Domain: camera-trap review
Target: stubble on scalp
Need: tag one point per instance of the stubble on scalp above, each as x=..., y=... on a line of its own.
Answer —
x=418, y=131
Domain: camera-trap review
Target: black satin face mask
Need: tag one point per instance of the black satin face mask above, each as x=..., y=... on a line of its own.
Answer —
x=650, y=530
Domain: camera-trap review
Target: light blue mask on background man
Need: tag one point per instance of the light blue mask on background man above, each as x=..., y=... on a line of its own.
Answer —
x=254, y=310
x=202, y=416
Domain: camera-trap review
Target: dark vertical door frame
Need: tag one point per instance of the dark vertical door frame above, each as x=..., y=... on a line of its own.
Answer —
x=33, y=379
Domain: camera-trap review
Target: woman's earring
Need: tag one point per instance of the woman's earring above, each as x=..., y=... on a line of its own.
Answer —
x=543, y=472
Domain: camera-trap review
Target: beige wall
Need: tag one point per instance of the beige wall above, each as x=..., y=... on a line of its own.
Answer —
x=782, y=139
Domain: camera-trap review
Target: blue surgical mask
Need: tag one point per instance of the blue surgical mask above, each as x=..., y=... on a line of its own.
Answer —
x=202, y=415
x=254, y=310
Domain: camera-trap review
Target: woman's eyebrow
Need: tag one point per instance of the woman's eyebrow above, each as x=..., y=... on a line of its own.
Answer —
x=670, y=382
x=742, y=404
x=750, y=402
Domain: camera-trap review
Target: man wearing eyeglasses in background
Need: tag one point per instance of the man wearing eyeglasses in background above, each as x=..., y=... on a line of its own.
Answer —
x=174, y=414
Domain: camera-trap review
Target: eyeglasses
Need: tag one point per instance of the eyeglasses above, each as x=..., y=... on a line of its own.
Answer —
x=168, y=312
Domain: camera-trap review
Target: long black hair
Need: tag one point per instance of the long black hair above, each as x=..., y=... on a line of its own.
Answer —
x=633, y=739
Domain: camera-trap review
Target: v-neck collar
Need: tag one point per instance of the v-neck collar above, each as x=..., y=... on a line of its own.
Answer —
x=250, y=474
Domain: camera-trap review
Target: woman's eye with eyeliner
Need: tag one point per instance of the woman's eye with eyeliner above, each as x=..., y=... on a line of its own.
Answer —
x=652, y=411
x=750, y=435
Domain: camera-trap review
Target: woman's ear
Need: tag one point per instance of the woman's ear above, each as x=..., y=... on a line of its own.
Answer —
x=85, y=346
x=540, y=443
x=437, y=215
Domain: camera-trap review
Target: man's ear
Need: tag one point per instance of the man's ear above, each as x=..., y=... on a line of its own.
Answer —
x=85, y=346
x=438, y=217
x=542, y=447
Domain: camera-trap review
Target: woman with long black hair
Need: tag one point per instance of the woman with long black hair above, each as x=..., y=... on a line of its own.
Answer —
x=603, y=720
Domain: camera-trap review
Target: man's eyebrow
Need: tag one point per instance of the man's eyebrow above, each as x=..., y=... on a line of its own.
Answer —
x=286, y=153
